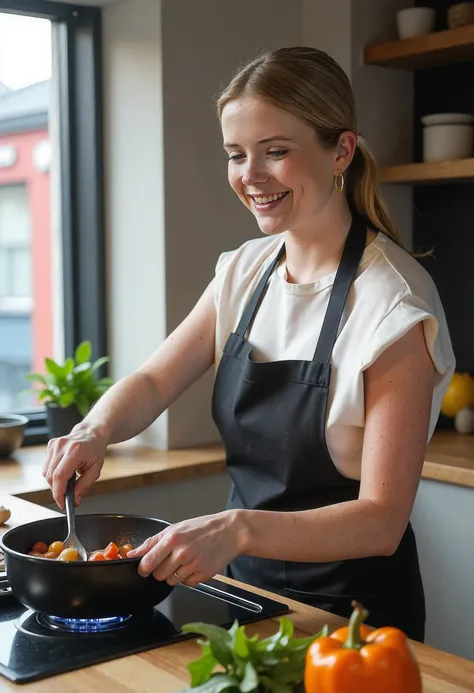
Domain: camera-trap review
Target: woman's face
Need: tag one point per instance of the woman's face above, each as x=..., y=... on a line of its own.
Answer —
x=276, y=165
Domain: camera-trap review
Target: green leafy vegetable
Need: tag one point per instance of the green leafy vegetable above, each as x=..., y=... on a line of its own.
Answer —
x=248, y=665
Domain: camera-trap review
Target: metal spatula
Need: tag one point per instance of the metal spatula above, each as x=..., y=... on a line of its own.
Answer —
x=71, y=541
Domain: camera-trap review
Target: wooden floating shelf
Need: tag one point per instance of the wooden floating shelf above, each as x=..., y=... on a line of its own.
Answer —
x=421, y=52
x=461, y=170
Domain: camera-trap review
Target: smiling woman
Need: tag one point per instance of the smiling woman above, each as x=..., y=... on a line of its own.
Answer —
x=332, y=354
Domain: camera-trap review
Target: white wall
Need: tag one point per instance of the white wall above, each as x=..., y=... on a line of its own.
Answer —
x=134, y=176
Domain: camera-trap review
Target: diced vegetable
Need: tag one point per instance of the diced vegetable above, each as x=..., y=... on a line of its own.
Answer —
x=111, y=552
x=40, y=547
x=68, y=555
x=56, y=546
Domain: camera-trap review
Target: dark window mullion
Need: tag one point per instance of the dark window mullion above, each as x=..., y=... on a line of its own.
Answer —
x=89, y=213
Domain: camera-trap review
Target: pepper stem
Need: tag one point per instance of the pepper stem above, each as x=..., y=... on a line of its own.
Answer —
x=354, y=640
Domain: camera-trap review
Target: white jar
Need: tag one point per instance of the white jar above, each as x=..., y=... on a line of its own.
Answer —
x=447, y=136
x=415, y=21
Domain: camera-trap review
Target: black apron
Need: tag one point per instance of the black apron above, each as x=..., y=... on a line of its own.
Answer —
x=272, y=419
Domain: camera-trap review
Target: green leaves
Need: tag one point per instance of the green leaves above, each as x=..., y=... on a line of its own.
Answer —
x=83, y=352
x=248, y=665
x=220, y=641
x=218, y=683
x=72, y=383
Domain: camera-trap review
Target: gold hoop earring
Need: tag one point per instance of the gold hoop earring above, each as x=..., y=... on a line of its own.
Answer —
x=339, y=181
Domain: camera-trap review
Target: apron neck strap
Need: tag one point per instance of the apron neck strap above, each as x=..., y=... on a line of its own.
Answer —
x=346, y=271
x=345, y=275
x=252, y=306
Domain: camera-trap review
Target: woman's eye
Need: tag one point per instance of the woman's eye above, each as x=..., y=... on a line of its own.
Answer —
x=278, y=153
x=235, y=157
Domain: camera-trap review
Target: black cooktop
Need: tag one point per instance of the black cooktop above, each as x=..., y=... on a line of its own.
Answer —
x=34, y=647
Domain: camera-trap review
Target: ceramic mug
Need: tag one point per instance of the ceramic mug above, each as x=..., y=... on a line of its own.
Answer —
x=415, y=21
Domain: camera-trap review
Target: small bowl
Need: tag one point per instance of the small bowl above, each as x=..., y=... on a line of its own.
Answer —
x=460, y=15
x=415, y=21
x=12, y=429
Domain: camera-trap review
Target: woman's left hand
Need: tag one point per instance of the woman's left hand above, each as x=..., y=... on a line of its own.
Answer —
x=196, y=549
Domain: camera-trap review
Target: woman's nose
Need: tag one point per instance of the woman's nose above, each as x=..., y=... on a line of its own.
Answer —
x=254, y=173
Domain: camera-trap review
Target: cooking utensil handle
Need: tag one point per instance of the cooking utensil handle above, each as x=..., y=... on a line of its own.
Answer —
x=70, y=508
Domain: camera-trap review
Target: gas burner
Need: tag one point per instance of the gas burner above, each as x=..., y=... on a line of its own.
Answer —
x=85, y=625
x=46, y=626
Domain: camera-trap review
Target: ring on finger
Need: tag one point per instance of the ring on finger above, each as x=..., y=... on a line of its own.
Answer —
x=177, y=576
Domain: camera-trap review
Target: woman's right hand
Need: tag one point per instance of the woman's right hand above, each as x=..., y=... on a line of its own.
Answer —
x=83, y=450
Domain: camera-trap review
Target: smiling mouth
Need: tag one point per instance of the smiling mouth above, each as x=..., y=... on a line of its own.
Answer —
x=263, y=202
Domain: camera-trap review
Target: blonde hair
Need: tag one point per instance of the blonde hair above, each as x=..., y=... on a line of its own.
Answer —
x=309, y=84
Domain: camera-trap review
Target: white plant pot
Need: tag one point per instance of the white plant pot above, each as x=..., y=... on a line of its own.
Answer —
x=415, y=21
x=447, y=136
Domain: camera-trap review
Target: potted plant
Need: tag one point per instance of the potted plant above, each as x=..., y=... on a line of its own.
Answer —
x=70, y=390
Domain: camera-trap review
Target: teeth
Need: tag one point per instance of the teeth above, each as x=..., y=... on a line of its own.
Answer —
x=269, y=198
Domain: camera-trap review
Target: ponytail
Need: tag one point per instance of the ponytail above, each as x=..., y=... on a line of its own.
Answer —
x=364, y=196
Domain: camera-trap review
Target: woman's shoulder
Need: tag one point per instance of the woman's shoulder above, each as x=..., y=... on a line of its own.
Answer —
x=399, y=293
x=400, y=276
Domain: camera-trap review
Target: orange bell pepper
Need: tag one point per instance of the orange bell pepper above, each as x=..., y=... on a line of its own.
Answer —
x=356, y=659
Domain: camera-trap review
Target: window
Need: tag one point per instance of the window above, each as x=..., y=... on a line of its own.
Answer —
x=51, y=205
x=15, y=296
x=15, y=248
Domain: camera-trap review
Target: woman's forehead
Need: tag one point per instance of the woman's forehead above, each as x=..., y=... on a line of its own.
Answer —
x=254, y=119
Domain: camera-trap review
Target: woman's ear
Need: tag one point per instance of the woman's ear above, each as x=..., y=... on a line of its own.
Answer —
x=345, y=149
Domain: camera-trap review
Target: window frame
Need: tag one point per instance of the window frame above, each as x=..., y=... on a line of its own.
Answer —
x=79, y=79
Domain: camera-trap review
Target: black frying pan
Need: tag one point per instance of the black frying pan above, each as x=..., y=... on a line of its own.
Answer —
x=82, y=589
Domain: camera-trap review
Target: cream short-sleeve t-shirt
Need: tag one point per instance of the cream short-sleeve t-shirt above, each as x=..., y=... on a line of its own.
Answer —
x=391, y=293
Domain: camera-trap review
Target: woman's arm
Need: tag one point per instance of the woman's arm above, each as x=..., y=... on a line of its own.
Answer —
x=398, y=395
x=134, y=402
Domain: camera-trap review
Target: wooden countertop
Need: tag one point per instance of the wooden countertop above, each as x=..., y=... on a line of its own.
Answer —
x=449, y=459
x=126, y=467
x=164, y=669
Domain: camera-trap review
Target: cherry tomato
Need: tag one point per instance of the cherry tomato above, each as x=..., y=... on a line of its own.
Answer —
x=68, y=555
x=51, y=554
x=111, y=552
x=40, y=547
x=97, y=557
x=35, y=553
x=56, y=546
x=123, y=550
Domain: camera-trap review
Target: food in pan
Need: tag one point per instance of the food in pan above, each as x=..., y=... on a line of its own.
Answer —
x=56, y=551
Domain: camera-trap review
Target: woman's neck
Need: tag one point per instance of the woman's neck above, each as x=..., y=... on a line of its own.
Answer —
x=314, y=252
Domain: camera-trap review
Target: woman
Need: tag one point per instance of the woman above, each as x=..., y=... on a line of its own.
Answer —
x=333, y=357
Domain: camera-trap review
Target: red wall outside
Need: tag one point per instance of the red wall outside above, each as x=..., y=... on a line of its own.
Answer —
x=37, y=183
